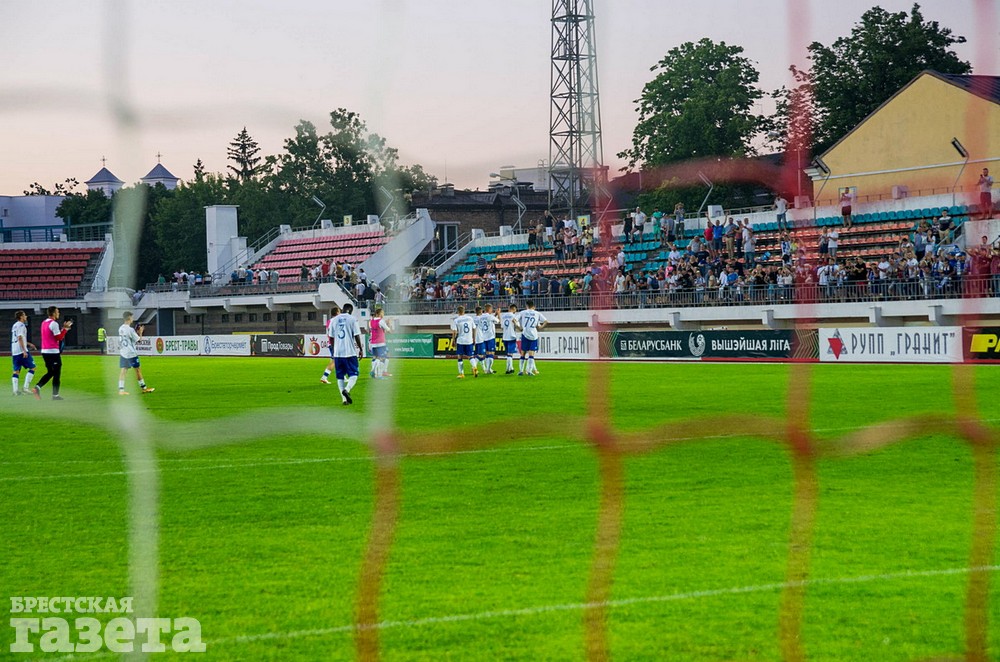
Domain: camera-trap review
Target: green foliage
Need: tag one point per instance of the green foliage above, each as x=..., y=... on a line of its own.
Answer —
x=85, y=209
x=244, y=152
x=60, y=188
x=883, y=53
x=177, y=220
x=699, y=104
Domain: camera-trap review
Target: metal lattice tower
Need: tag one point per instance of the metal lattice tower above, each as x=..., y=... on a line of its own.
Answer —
x=578, y=177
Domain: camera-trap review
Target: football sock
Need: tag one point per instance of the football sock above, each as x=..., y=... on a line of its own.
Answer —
x=142, y=383
x=121, y=384
x=14, y=381
x=520, y=367
x=341, y=385
x=531, y=364
x=326, y=374
x=28, y=378
x=489, y=363
x=461, y=367
x=385, y=366
x=351, y=381
x=510, y=362
x=474, y=362
x=378, y=368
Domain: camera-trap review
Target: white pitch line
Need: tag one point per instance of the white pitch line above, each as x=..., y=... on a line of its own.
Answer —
x=239, y=463
x=280, y=462
x=578, y=606
x=582, y=606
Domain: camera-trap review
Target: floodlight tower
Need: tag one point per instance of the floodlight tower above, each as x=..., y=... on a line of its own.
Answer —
x=577, y=175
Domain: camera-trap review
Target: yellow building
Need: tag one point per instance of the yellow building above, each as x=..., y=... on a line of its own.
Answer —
x=908, y=141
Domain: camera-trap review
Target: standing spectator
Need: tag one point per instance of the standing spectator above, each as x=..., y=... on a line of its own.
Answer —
x=781, y=211
x=846, y=203
x=786, y=249
x=717, y=232
x=532, y=236
x=824, y=245
x=831, y=242
x=639, y=217
x=657, y=220
x=52, y=337
x=549, y=223
x=304, y=272
x=627, y=227
x=986, y=194
x=481, y=265
x=729, y=236
x=638, y=223
x=670, y=229
x=749, y=248
x=679, y=219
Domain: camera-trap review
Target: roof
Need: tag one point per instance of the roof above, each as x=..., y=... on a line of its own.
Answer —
x=987, y=87
x=104, y=176
x=159, y=172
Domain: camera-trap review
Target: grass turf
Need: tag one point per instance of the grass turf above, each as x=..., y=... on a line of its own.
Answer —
x=262, y=540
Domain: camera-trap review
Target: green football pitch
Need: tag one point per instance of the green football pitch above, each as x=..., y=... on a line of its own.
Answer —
x=255, y=512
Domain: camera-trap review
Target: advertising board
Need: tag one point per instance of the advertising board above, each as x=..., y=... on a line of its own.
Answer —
x=939, y=344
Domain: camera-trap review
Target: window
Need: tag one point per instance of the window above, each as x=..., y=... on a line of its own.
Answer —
x=267, y=317
x=311, y=316
x=282, y=317
x=296, y=317
x=253, y=317
x=224, y=319
x=239, y=317
x=187, y=319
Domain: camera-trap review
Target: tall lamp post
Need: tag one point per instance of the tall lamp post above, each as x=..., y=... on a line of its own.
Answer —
x=964, y=153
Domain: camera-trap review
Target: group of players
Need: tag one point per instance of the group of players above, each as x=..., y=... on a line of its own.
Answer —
x=474, y=338
x=52, y=334
x=344, y=337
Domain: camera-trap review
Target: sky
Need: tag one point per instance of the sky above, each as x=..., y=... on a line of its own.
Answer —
x=460, y=87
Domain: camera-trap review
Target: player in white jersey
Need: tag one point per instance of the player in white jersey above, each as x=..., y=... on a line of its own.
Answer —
x=20, y=354
x=487, y=327
x=128, y=354
x=463, y=338
x=346, y=349
x=529, y=322
x=479, y=340
x=325, y=379
x=511, y=338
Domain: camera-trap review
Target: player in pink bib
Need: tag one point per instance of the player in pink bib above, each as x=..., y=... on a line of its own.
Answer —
x=378, y=327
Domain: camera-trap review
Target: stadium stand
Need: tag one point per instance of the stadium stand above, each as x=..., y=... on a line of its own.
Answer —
x=51, y=273
x=290, y=254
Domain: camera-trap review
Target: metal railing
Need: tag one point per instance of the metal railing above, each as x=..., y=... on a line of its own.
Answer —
x=966, y=287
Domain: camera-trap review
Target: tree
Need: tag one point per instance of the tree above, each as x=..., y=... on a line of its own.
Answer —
x=699, y=104
x=199, y=170
x=61, y=188
x=342, y=167
x=85, y=209
x=244, y=152
x=177, y=222
x=855, y=75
